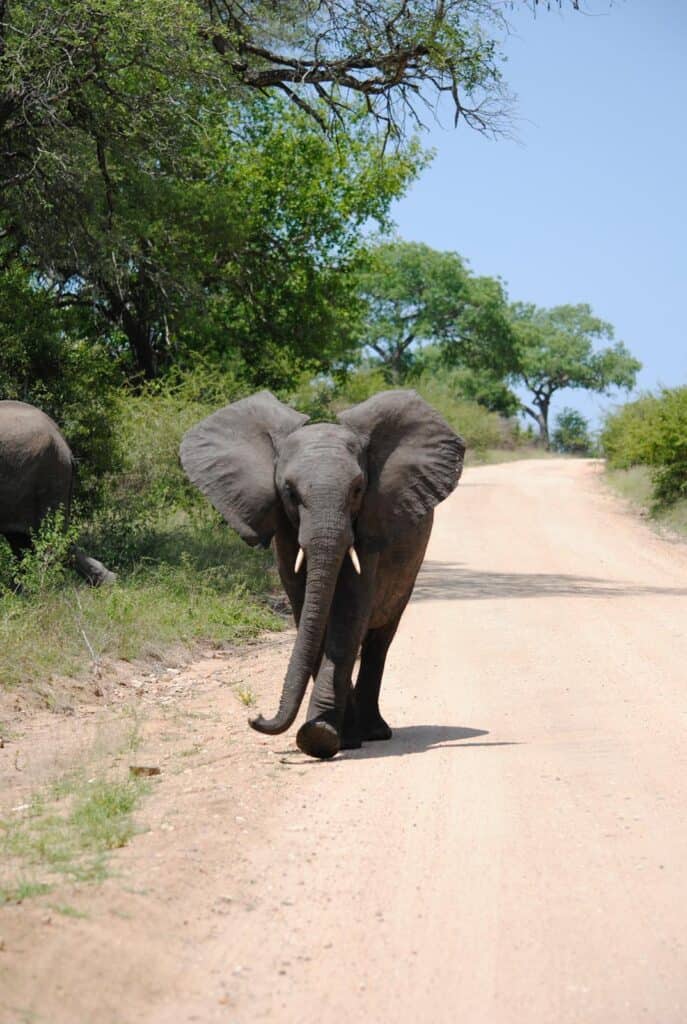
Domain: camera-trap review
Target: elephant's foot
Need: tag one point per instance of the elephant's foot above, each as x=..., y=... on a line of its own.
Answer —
x=351, y=740
x=318, y=739
x=374, y=729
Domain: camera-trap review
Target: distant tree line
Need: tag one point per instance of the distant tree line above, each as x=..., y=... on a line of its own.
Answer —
x=424, y=308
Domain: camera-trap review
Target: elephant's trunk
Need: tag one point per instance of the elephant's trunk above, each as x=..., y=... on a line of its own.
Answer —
x=324, y=557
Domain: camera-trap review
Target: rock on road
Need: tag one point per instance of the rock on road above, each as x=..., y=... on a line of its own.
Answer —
x=517, y=854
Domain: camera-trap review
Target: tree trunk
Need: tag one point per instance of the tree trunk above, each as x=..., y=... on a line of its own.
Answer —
x=139, y=337
x=543, y=421
x=541, y=418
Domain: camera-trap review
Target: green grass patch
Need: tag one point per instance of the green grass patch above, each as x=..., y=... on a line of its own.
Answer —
x=67, y=831
x=636, y=486
x=22, y=890
x=186, y=580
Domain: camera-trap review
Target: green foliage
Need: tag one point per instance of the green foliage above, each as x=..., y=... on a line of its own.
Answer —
x=571, y=434
x=415, y=296
x=293, y=207
x=652, y=431
x=479, y=383
x=45, y=565
x=628, y=433
x=67, y=831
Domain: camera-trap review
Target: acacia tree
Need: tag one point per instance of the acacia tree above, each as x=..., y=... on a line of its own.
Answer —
x=554, y=349
x=416, y=296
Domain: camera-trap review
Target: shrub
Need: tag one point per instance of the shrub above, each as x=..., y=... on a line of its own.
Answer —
x=652, y=431
x=670, y=448
x=45, y=565
x=571, y=433
x=628, y=434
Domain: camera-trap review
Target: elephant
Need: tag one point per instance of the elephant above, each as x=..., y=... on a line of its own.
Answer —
x=36, y=477
x=350, y=507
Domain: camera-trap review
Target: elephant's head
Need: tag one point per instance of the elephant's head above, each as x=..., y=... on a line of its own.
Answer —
x=343, y=487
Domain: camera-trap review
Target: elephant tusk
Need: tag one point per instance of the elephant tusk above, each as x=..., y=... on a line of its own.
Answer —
x=354, y=558
x=299, y=560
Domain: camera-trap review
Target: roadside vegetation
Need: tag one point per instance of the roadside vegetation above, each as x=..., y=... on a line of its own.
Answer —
x=645, y=443
x=66, y=831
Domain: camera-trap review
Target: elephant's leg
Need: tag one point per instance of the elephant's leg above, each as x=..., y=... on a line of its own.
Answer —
x=323, y=733
x=328, y=724
x=93, y=571
x=366, y=694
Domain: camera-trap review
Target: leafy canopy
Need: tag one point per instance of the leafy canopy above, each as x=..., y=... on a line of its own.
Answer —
x=416, y=296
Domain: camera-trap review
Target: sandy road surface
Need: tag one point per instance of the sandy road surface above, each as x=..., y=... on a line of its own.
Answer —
x=517, y=853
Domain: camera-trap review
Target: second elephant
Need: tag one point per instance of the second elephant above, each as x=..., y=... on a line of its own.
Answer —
x=37, y=477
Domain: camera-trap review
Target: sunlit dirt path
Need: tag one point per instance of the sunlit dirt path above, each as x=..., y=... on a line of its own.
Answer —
x=516, y=853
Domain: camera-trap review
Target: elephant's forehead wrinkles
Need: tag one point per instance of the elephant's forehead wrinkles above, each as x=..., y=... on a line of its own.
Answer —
x=322, y=437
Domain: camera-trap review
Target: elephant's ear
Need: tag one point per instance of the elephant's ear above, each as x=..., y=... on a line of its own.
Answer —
x=230, y=457
x=414, y=461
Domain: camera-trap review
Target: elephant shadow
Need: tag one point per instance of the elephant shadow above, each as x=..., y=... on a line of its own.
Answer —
x=419, y=739
x=406, y=739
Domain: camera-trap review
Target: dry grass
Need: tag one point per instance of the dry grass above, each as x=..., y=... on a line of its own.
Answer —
x=635, y=485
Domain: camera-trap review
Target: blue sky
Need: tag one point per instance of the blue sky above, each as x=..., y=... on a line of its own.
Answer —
x=589, y=204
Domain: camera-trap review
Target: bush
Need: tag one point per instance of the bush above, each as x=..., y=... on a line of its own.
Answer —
x=571, y=433
x=652, y=431
x=627, y=437
x=149, y=485
x=670, y=451
x=479, y=428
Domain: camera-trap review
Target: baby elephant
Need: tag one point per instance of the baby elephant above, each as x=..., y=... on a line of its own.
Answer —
x=350, y=506
x=36, y=477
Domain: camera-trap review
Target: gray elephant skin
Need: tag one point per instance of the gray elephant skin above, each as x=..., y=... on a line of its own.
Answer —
x=350, y=507
x=36, y=477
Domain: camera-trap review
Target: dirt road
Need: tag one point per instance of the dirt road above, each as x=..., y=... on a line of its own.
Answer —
x=517, y=854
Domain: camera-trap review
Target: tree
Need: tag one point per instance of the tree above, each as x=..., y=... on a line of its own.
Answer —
x=554, y=349
x=241, y=245
x=97, y=71
x=93, y=79
x=571, y=435
x=416, y=296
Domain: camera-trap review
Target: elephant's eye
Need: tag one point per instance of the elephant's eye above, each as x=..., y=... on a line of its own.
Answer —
x=291, y=492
